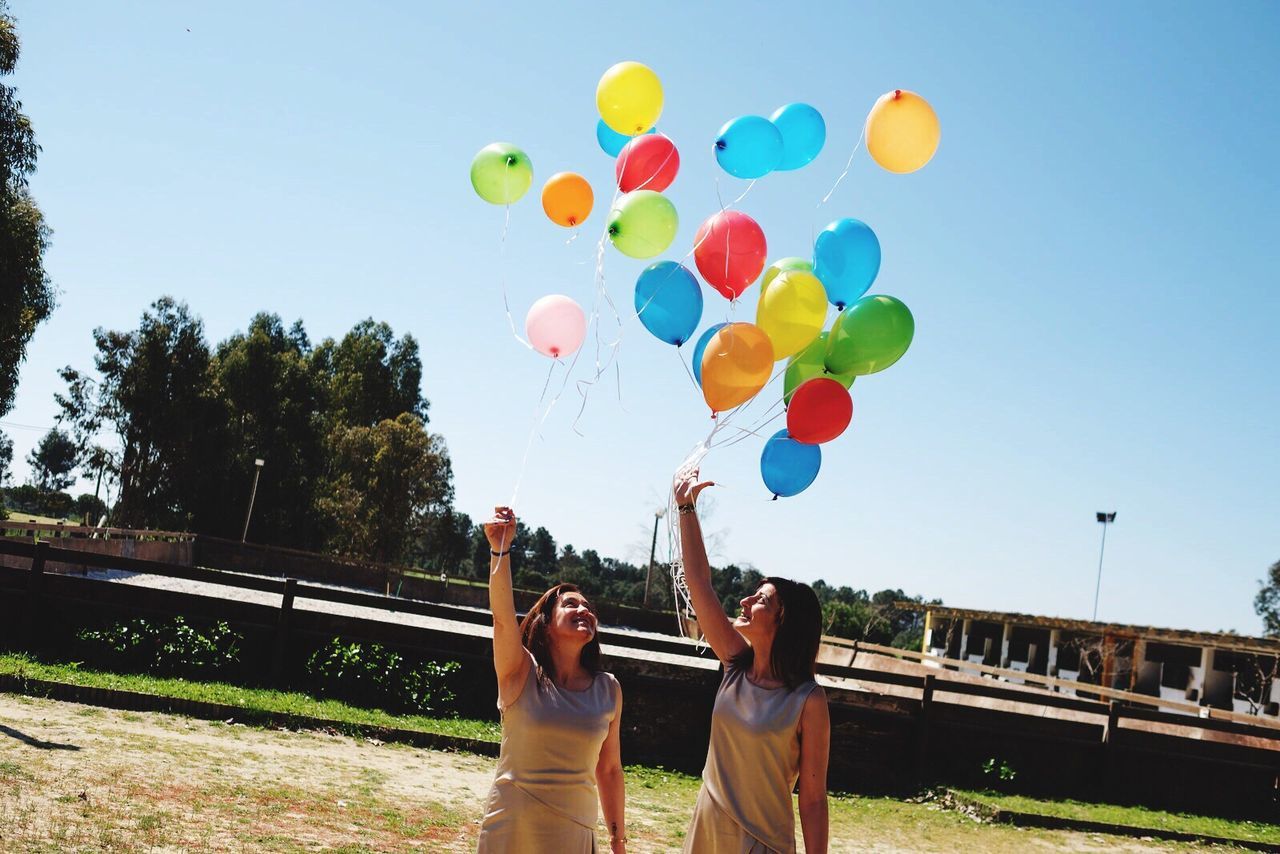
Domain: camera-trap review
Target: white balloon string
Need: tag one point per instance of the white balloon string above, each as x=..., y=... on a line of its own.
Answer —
x=533, y=431
x=502, y=261
x=688, y=372
x=847, y=167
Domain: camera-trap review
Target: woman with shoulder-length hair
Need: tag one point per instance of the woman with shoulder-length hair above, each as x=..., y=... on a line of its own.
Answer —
x=560, y=718
x=769, y=725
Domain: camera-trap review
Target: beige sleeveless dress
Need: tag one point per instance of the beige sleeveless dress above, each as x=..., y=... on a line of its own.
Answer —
x=544, y=793
x=744, y=806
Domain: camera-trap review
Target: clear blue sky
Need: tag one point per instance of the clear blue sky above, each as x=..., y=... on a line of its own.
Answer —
x=1091, y=259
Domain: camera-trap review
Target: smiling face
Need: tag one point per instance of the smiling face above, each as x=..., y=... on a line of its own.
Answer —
x=761, y=612
x=572, y=619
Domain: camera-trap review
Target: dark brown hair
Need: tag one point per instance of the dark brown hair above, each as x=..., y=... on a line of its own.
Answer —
x=535, y=633
x=794, y=655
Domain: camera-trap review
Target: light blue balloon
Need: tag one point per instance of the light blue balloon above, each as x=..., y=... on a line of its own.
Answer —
x=846, y=259
x=749, y=147
x=803, y=134
x=669, y=301
x=611, y=141
x=700, y=348
x=788, y=466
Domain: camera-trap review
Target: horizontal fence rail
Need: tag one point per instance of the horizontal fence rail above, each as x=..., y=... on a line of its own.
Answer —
x=1122, y=705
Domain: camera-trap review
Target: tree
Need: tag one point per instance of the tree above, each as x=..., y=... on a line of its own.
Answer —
x=26, y=294
x=53, y=461
x=89, y=508
x=384, y=483
x=6, y=459
x=1267, y=602
x=445, y=543
x=155, y=394
x=270, y=395
x=369, y=376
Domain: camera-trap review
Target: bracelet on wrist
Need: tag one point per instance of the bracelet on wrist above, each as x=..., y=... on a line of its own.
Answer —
x=685, y=509
x=499, y=554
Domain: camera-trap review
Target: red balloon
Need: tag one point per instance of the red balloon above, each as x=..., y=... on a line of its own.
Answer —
x=819, y=411
x=730, y=251
x=648, y=162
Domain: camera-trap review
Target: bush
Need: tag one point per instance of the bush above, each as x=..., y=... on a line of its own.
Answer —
x=372, y=675
x=172, y=648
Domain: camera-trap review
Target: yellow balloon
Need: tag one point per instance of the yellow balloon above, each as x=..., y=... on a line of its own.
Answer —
x=735, y=365
x=902, y=131
x=792, y=311
x=629, y=98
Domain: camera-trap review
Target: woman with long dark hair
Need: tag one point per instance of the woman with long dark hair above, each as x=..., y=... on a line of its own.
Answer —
x=560, y=718
x=769, y=725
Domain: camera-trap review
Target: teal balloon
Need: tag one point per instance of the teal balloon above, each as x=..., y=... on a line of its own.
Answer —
x=846, y=259
x=869, y=336
x=611, y=141
x=501, y=173
x=701, y=347
x=803, y=134
x=669, y=301
x=749, y=147
x=788, y=466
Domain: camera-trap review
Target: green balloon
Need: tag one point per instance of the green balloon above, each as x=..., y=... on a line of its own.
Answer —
x=807, y=364
x=501, y=173
x=783, y=265
x=642, y=224
x=869, y=336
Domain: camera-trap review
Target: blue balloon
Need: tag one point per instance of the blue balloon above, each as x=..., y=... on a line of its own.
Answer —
x=700, y=347
x=788, y=466
x=611, y=141
x=749, y=147
x=669, y=301
x=803, y=134
x=846, y=259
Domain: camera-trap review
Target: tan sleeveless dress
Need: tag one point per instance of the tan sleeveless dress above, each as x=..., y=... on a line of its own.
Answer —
x=544, y=793
x=744, y=806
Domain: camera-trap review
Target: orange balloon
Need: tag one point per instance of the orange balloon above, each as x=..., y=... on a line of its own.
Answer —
x=735, y=365
x=567, y=199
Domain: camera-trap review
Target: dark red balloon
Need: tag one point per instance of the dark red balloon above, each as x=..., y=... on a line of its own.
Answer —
x=647, y=162
x=730, y=252
x=819, y=411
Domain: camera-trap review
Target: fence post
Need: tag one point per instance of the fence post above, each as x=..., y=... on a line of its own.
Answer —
x=922, y=728
x=282, y=630
x=35, y=595
x=1113, y=721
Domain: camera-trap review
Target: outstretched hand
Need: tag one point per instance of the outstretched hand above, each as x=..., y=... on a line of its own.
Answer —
x=687, y=487
x=501, y=529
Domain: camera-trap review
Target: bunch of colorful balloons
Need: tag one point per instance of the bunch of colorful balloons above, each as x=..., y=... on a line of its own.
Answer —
x=733, y=361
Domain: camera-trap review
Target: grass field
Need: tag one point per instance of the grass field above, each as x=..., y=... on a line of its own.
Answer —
x=79, y=778
x=76, y=778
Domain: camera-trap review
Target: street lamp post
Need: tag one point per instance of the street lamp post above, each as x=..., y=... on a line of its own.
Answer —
x=1106, y=519
x=653, y=548
x=257, y=470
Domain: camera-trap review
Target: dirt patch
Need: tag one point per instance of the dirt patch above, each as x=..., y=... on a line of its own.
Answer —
x=80, y=778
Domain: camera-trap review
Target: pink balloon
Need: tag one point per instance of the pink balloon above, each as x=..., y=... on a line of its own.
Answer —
x=647, y=162
x=555, y=326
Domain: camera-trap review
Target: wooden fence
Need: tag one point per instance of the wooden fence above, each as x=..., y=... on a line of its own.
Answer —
x=891, y=730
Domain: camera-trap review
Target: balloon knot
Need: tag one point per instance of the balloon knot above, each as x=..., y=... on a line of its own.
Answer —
x=573, y=220
x=511, y=160
x=897, y=93
x=839, y=306
x=613, y=231
x=775, y=498
x=720, y=144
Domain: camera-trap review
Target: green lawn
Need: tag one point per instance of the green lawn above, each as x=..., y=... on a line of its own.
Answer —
x=1251, y=831
x=252, y=700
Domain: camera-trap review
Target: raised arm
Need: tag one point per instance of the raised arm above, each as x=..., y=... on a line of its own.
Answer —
x=510, y=660
x=815, y=747
x=609, y=783
x=716, y=628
